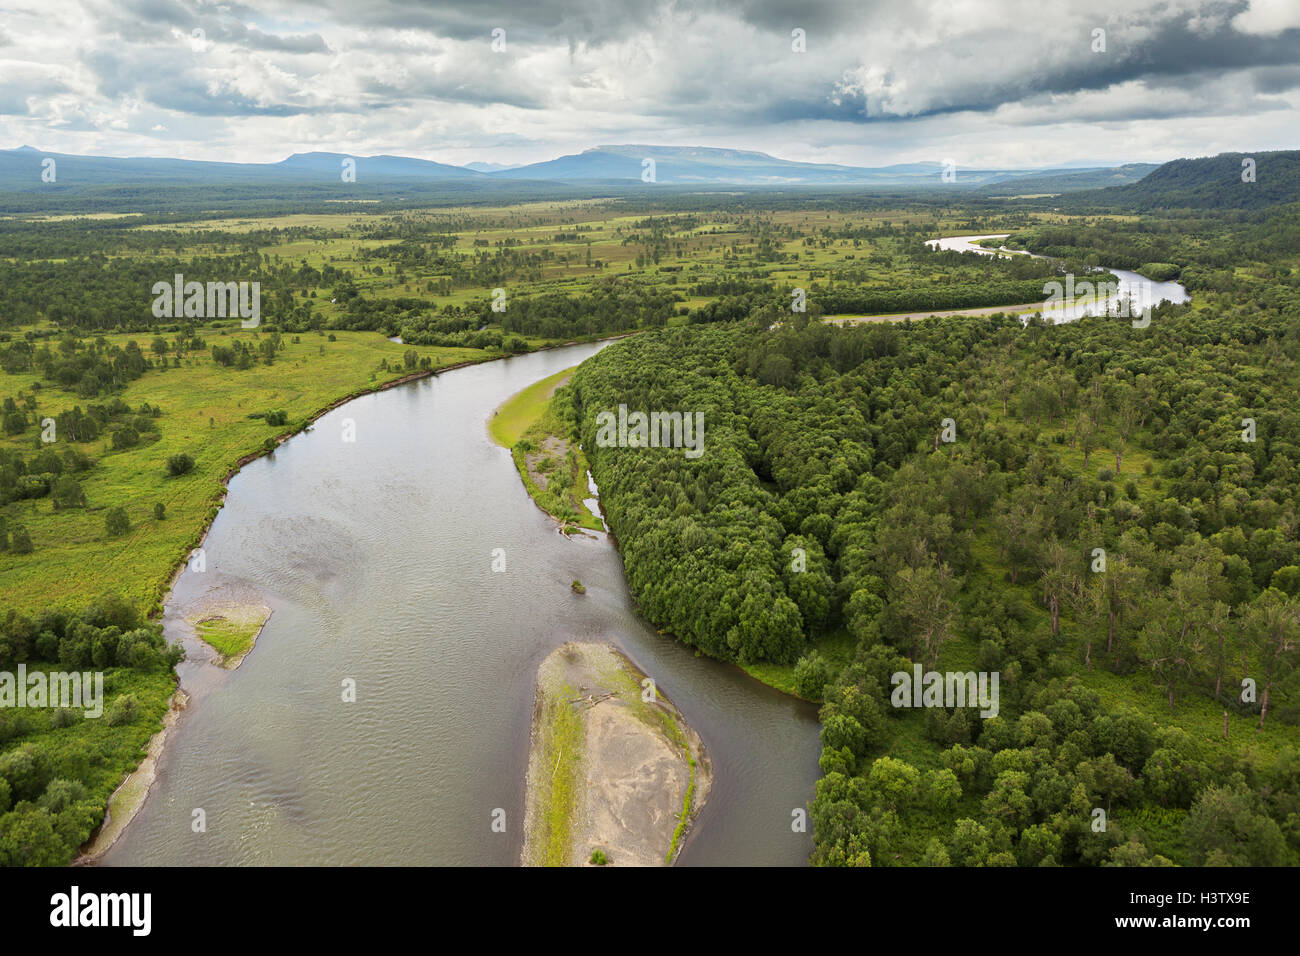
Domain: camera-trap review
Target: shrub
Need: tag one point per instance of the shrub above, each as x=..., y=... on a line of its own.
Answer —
x=159, y=511
x=178, y=465
x=123, y=710
x=116, y=522
x=599, y=858
x=21, y=542
x=1159, y=271
x=810, y=676
x=67, y=493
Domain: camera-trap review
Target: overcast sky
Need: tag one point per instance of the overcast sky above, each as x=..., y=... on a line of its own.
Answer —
x=983, y=82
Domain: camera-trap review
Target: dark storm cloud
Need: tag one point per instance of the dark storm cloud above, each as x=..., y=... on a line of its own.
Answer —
x=1279, y=79
x=1159, y=54
x=933, y=64
x=533, y=22
x=149, y=22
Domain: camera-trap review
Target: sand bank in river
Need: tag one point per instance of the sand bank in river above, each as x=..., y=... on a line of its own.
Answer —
x=228, y=619
x=609, y=770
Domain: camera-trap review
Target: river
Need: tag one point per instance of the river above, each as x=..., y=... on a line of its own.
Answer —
x=1132, y=286
x=376, y=558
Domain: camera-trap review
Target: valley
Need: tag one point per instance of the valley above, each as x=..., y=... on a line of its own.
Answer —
x=929, y=490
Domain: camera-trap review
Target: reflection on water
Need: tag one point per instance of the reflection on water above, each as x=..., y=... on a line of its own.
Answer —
x=1133, y=293
x=376, y=557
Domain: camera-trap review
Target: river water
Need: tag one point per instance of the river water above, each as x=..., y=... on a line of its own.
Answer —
x=1131, y=288
x=376, y=557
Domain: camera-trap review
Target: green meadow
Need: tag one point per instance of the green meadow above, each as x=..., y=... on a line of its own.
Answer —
x=205, y=414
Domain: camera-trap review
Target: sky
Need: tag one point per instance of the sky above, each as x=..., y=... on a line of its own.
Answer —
x=981, y=83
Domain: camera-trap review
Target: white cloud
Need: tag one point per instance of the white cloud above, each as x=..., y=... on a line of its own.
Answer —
x=1268, y=17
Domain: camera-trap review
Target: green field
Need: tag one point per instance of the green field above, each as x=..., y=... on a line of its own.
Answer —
x=523, y=409
x=205, y=413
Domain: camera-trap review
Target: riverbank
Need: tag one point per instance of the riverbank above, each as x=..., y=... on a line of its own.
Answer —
x=126, y=801
x=614, y=772
x=522, y=410
x=1019, y=309
x=550, y=463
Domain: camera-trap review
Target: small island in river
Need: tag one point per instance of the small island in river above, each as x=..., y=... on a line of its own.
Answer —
x=615, y=775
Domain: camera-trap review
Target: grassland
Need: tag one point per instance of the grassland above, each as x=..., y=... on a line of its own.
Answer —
x=205, y=414
x=568, y=246
x=559, y=746
x=230, y=629
x=523, y=409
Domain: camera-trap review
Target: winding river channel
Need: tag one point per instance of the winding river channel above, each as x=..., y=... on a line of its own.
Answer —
x=1131, y=286
x=376, y=558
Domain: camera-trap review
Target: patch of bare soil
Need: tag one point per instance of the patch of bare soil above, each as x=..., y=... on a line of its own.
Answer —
x=636, y=766
x=554, y=448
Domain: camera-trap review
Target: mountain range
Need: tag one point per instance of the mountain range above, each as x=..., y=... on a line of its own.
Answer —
x=21, y=170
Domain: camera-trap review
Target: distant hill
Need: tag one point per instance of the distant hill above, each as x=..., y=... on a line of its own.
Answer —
x=1068, y=180
x=1211, y=183
x=705, y=164
x=20, y=170
x=617, y=168
x=378, y=167
x=688, y=164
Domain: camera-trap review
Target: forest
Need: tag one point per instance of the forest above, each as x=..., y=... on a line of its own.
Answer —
x=1105, y=516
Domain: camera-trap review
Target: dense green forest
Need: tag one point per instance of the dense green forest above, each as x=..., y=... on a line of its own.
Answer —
x=943, y=492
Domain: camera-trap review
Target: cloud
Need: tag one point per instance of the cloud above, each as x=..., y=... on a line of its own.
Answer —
x=418, y=78
x=1268, y=17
